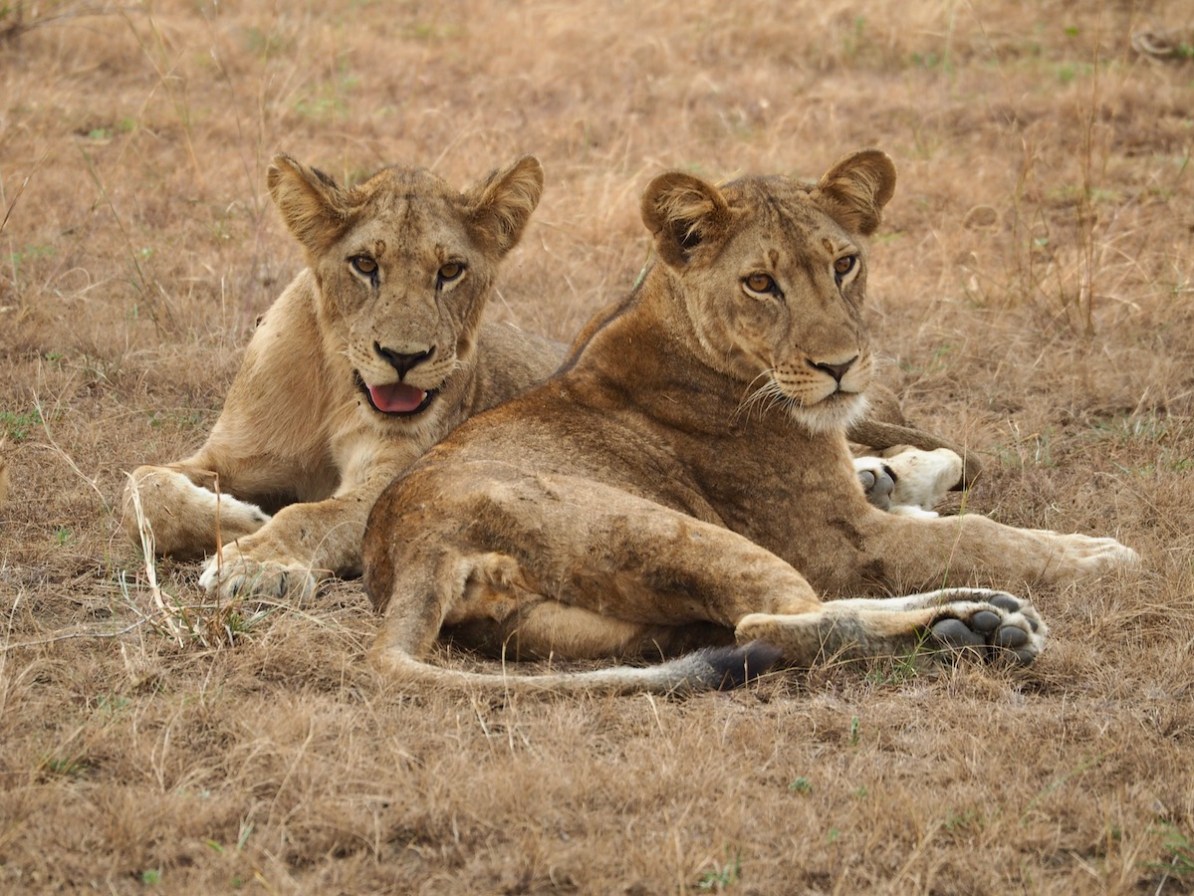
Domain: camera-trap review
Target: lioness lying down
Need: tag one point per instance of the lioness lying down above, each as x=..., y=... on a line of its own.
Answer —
x=371, y=355
x=642, y=502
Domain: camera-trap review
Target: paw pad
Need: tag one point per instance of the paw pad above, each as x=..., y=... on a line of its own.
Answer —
x=999, y=625
x=955, y=633
x=877, y=483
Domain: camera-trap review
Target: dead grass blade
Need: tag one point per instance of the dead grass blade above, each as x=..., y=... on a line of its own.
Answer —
x=167, y=619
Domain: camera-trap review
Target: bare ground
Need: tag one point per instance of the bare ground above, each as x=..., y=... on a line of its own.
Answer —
x=1032, y=286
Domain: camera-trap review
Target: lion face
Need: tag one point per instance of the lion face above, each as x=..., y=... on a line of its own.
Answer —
x=404, y=265
x=771, y=276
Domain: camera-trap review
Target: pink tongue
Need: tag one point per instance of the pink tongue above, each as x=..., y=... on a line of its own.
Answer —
x=397, y=398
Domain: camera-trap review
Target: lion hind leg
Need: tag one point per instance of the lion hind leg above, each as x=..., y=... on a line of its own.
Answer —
x=184, y=517
x=992, y=623
x=542, y=629
x=552, y=628
x=485, y=598
x=573, y=551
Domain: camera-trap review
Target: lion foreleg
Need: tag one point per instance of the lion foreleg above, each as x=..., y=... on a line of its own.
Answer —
x=185, y=517
x=971, y=548
x=302, y=544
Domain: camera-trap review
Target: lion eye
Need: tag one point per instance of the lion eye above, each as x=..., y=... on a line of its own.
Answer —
x=363, y=264
x=760, y=284
x=843, y=266
x=450, y=271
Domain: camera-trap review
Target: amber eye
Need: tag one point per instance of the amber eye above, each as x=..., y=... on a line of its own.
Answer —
x=450, y=271
x=363, y=264
x=760, y=283
x=844, y=265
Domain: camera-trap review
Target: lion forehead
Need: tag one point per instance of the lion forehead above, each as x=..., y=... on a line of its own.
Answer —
x=782, y=216
x=410, y=228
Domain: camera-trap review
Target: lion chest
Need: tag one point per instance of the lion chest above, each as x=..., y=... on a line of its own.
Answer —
x=792, y=493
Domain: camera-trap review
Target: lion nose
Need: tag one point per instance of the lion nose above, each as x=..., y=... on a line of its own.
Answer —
x=403, y=362
x=837, y=371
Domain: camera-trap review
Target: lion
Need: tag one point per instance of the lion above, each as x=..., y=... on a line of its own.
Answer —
x=369, y=356
x=682, y=488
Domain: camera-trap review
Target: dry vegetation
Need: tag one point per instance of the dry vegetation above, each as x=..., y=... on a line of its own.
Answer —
x=1033, y=286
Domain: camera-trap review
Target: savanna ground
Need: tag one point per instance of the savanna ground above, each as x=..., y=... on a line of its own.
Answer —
x=1033, y=288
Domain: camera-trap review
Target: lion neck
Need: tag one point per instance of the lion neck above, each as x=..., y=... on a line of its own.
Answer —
x=652, y=339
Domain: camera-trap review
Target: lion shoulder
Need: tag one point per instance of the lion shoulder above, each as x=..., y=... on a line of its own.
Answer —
x=508, y=358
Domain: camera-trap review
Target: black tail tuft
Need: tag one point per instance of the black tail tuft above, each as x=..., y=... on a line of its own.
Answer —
x=732, y=667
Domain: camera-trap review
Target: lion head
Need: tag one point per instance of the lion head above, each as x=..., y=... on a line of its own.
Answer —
x=404, y=265
x=769, y=275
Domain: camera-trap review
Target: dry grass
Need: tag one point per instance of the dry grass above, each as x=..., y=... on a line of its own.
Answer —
x=1032, y=285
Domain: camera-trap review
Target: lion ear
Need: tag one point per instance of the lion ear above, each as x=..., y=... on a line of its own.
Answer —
x=683, y=212
x=500, y=206
x=311, y=203
x=855, y=190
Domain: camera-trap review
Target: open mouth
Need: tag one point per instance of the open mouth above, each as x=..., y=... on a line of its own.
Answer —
x=396, y=399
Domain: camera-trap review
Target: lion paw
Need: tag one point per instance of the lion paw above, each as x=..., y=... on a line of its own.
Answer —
x=1087, y=556
x=996, y=625
x=923, y=478
x=235, y=574
x=877, y=480
x=909, y=481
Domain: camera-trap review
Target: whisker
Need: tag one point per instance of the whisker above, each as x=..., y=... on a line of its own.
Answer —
x=749, y=397
x=765, y=396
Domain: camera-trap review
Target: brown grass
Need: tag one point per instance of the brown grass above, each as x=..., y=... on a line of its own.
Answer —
x=1032, y=286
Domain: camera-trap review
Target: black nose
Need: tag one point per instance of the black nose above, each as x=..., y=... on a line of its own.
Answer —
x=403, y=362
x=837, y=371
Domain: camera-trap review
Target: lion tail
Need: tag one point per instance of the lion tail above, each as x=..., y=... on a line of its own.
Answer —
x=709, y=669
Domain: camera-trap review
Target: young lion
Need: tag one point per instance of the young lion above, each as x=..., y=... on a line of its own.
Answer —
x=371, y=355
x=642, y=502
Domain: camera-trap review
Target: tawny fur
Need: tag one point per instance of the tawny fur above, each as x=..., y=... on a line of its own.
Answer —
x=297, y=437
x=685, y=477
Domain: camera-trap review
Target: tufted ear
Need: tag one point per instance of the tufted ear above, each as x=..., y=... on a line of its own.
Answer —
x=500, y=206
x=856, y=189
x=312, y=205
x=683, y=212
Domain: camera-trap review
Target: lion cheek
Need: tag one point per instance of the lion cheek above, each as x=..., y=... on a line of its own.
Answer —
x=858, y=377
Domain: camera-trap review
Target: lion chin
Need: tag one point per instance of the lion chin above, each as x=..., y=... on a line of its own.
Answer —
x=835, y=413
